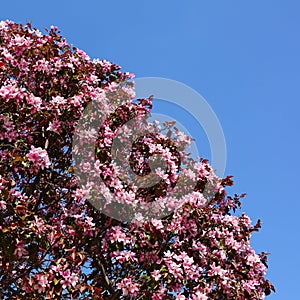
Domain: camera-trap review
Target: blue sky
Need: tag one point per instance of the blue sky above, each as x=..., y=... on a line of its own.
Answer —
x=244, y=58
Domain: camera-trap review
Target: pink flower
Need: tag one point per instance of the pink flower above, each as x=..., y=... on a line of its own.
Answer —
x=2, y=205
x=7, y=131
x=157, y=224
x=130, y=75
x=199, y=296
x=76, y=100
x=39, y=157
x=2, y=25
x=160, y=294
x=43, y=65
x=11, y=92
x=54, y=28
x=128, y=288
x=58, y=100
x=20, y=249
x=34, y=101
x=42, y=282
x=69, y=279
x=55, y=126
x=119, y=236
x=156, y=275
x=215, y=270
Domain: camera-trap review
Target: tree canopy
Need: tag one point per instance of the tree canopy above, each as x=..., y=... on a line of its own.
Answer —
x=55, y=242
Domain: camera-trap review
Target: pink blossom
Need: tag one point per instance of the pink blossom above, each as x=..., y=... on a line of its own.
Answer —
x=199, y=296
x=58, y=101
x=69, y=279
x=119, y=236
x=8, y=129
x=35, y=101
x=41, y=283
x=156, y=275
x=2, y=205
x=20, y=249
x=215, y=270
x=43, y=65
x=55, y=126
x=128, y=287
x=39, y=157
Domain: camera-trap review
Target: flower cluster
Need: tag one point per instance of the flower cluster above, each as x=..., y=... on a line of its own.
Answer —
x=39, y=157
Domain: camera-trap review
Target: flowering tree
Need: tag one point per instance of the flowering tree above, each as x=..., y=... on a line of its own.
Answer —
x=54, y=243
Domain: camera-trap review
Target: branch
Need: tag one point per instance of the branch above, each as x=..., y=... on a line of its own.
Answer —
x=115, y=295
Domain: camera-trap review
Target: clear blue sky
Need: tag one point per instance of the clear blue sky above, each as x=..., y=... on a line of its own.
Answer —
x=244, y=58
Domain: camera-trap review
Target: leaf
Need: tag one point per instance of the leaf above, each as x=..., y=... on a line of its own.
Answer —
x=6, y=229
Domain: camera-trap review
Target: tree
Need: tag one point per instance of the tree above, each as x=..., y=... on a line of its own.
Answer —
x=55, y=244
